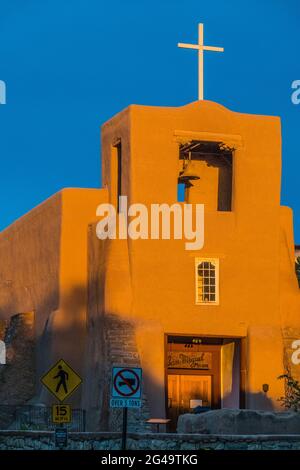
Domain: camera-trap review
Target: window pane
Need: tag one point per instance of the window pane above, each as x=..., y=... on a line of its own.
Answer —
x=206, y=282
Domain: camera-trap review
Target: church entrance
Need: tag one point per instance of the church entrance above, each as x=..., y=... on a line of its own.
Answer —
x=186, y=391
x=193, y=374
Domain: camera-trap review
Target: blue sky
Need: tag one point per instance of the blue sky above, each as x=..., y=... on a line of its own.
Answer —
x=69, y=65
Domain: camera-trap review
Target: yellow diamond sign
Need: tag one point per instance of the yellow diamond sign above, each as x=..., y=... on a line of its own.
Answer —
x=61, y=380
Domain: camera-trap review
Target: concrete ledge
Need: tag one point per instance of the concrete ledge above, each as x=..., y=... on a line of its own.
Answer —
x=154, y=435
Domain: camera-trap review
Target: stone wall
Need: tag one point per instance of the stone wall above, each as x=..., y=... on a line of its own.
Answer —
x=18, y=375
x=111, y=343
x=122, y=351
x=37, y=440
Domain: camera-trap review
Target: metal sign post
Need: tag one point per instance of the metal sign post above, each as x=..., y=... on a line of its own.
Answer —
x=126, y=393
x=124, y=430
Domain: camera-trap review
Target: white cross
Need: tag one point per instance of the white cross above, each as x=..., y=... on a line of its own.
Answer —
x=200, y=47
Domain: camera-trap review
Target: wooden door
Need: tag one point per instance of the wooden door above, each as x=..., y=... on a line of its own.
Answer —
x=185, y=391
x=192, y=373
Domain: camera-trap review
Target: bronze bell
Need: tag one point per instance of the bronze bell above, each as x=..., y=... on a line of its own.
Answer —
x=188, y=174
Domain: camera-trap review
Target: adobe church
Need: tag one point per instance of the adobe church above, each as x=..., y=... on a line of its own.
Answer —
x=214, y=326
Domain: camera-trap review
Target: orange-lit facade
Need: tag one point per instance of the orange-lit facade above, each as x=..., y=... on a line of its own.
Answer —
x=211, y=327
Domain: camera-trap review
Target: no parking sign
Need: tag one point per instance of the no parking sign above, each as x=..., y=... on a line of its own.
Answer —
x=126, y=387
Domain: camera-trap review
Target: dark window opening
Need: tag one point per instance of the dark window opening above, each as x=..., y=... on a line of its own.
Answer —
x=206, y=172
x=119, y=153
x=116, y=168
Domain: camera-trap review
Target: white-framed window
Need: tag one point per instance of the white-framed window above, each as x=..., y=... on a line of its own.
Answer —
x=207, y=281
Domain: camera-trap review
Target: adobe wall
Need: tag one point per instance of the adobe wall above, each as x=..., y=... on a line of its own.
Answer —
x=29, y=282
x=30, y=256
x=66, y=329
x=44, y=270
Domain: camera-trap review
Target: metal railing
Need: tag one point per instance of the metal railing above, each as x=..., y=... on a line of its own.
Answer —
x=37, y=418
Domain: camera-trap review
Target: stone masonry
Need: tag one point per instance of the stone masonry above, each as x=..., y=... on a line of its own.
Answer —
x=37, y=440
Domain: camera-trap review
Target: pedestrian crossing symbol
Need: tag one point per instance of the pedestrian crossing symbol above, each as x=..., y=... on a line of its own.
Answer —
x=61, y=380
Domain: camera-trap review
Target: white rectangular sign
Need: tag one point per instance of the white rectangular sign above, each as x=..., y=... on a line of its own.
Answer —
x=125, y=403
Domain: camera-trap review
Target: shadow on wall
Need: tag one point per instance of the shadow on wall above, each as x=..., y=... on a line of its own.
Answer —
x=260, y=401
x=89, y=341
x=62, y=335
x=92, y=345
x=16, y=298
x=256, y=401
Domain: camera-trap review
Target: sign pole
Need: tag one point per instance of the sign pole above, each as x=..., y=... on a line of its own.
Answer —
x=126, y=393
x=124, y=432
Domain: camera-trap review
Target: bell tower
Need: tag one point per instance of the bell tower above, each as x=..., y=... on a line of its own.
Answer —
x=228, y=295
x=205, y=171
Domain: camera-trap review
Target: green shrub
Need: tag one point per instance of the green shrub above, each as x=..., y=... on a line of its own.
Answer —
x=291, y=400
